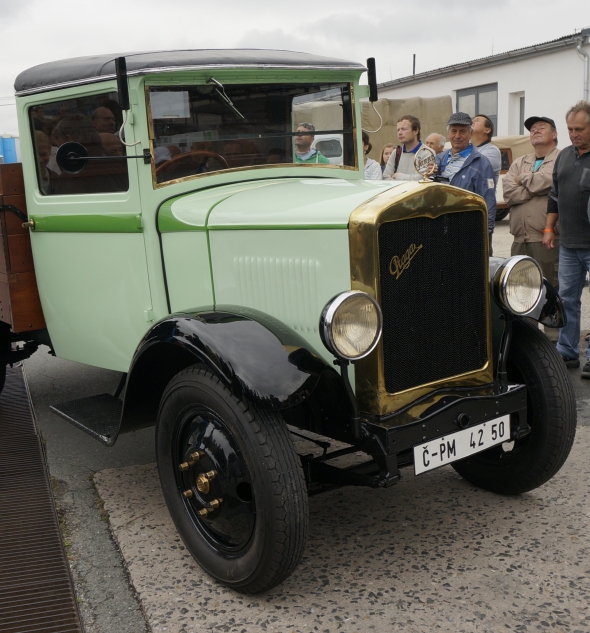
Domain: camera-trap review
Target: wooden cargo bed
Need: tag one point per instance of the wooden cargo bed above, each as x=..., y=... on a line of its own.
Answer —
x=19, y=297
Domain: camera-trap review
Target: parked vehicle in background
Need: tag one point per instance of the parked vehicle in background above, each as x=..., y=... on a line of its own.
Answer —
x=330, y=145
x=244, y=296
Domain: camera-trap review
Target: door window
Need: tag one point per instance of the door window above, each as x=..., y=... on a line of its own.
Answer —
x=94, y=122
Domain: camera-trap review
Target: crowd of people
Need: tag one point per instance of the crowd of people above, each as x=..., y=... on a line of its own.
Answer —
x=472, y=162
x=547, y=191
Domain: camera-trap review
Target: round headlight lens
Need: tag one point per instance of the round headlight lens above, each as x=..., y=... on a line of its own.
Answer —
x=351, y=325
x=521, y=285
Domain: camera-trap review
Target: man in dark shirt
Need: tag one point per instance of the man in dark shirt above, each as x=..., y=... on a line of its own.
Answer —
x=569, y=201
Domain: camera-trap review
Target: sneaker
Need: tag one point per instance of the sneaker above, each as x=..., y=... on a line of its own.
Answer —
x=586, y=370
x=575, y=362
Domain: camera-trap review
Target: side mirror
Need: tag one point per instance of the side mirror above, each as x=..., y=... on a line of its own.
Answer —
x=71, y=157
x=372, y=78
x=122, y=85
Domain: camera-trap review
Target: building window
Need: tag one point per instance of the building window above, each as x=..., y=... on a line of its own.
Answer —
x=480, y=100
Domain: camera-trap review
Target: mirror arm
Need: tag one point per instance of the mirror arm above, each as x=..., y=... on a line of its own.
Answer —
x=147, y=157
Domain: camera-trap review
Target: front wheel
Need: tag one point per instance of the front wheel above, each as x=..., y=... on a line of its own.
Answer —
x=232, y=481
x=515, y=467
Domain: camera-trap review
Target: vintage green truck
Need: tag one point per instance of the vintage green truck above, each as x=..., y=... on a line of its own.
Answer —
x=182, y=234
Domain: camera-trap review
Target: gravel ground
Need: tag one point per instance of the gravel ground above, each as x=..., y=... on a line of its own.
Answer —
x=432, y=553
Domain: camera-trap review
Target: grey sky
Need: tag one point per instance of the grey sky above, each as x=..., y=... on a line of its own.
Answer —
x=440, y=33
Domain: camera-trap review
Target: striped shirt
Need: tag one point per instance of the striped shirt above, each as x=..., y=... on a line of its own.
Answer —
x=452, y=163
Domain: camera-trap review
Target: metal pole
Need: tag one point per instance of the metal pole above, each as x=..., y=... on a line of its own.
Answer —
x=414, y=65
x=584, y=54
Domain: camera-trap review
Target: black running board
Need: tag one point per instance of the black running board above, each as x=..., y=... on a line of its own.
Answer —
x=99, y=416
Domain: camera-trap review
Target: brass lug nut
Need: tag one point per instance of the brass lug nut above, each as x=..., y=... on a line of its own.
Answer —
x=195, y=457
x=212, y=507
x=204, y=481
x=203, y=484
x=187, y=494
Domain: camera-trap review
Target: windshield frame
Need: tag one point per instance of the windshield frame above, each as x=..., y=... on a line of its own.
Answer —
x=228, y=82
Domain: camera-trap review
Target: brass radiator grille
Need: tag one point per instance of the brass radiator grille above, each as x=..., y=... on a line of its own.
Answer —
x=433, y=296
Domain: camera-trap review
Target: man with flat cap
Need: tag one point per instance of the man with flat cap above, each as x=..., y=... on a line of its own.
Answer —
x=463, y=166
x=526, y=188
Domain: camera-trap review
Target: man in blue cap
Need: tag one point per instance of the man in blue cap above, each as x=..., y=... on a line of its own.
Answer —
x=463, y=166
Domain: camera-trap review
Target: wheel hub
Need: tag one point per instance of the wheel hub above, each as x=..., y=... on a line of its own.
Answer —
x=214, y=480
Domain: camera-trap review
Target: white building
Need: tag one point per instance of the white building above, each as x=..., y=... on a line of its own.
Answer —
x=542, y=80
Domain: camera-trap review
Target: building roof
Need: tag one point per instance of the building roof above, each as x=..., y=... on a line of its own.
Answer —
x=492, y=60
x=84, y=70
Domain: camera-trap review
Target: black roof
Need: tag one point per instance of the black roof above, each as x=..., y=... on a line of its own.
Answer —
x=84, y=70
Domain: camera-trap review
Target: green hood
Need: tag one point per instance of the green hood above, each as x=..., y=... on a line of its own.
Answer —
x=264, y=204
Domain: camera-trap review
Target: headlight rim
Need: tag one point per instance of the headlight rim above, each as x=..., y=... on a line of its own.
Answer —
x=327, y=319
x=501, y=283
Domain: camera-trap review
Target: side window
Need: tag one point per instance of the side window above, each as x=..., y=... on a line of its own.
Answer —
x=94, y=122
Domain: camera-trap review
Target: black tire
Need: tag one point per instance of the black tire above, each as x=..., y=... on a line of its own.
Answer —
x=256, y=537
x=551, y=414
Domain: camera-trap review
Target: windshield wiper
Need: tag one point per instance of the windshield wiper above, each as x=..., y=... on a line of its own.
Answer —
x=224, y=97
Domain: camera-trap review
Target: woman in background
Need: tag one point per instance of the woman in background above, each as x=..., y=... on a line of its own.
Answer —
x=385, y=154
x=372, y=167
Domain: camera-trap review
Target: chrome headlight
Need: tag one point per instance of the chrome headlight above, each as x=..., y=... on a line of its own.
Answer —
x=351, y=324
x=518, y=284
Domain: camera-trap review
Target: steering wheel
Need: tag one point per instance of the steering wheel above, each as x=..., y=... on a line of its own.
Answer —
x=193, y=156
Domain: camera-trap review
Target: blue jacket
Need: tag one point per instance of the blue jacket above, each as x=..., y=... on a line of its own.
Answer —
x=476, y=175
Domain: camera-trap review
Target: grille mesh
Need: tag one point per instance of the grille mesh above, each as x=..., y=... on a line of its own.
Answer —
x=36, y=592
x=434, y=305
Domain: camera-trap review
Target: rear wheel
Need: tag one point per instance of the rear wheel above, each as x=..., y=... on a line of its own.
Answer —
x=515, y=467
x=232, y=481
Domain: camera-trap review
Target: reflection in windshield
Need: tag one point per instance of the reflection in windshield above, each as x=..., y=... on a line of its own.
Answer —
x=212, y=127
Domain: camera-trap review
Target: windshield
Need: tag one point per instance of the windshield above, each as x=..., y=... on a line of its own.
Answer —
x=214, y=127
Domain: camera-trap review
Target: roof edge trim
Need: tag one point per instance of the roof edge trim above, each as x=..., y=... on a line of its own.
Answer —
x=167, y=69
x=493, y=60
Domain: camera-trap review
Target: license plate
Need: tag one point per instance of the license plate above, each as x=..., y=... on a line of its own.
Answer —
x=461, y=444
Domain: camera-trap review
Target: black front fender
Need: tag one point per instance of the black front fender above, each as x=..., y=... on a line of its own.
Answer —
x=256, y=356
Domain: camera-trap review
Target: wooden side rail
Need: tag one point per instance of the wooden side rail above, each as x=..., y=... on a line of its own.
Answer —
x=19, y=297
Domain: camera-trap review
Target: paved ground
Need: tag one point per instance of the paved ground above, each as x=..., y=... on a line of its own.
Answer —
x=441, y=555
x=430, y=554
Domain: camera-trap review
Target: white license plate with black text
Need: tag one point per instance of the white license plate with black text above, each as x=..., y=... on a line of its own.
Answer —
x=461, y=444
